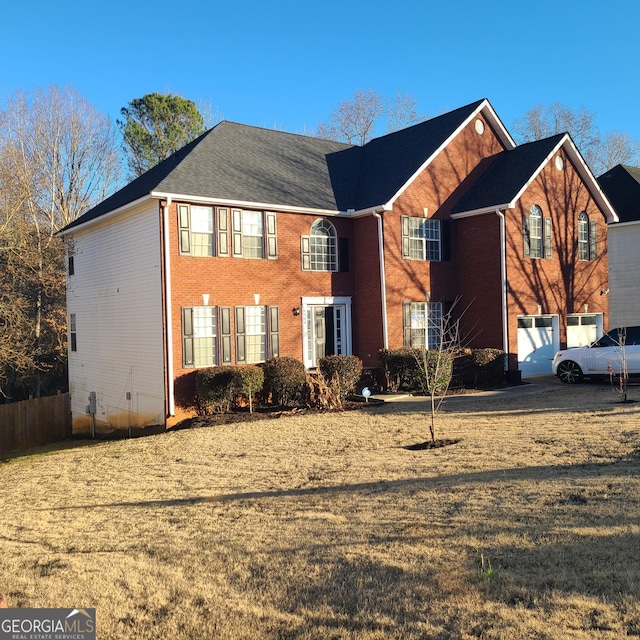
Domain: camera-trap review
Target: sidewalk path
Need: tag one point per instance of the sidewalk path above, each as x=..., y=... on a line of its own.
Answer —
x=536, y=384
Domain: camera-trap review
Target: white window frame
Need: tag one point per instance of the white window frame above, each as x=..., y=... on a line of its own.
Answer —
x=323, y=246
x=584, y=237
x=255, y=332
x=196, y=225
x=535, y=232
x=427, y=323
x=424, y=239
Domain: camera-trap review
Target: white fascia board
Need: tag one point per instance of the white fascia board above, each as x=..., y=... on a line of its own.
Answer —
x=583, y=170
x=480, y=212
x=620, y=225
x=363, y=213
x=103, y=217
x=491, y=116
x=267, y=206
x=586, y=174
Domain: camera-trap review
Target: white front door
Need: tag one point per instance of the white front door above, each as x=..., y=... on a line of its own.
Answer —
x=538, y=341
x=326, y=328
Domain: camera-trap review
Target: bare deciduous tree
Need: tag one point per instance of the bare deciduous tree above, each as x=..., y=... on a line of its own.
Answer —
x=355, y=120
x=58, y=157
x=601, y=153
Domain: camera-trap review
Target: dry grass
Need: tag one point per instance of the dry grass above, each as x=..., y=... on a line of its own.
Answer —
x=324, y=526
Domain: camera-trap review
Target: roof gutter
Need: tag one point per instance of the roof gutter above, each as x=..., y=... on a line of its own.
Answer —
x=503, y=277
x=268, y=206
x=168, y=308
x=383, y=283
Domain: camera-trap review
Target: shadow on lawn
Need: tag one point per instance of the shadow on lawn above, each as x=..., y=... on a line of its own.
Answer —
x=623, y=466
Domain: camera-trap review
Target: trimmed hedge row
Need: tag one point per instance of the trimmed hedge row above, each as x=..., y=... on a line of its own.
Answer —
x=403, y=368
x=281, y=381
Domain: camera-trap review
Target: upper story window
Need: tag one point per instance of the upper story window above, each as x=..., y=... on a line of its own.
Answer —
x=425, y=239
x=420, y=238
x=537, y=234
x=320, y=248
x=587, y=237
x=196, y=230
x=205, y=231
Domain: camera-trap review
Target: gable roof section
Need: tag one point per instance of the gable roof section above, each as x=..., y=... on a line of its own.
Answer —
x=239, y=163
x=622, y=186
x=250, y=166
x=512, y=171
x=391, y=162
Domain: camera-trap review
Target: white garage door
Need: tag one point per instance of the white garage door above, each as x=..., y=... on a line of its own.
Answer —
x=538, y=342
x=583, y=329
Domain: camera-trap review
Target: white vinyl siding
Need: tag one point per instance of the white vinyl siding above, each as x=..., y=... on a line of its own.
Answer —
x=116, y=297
x=624, y=264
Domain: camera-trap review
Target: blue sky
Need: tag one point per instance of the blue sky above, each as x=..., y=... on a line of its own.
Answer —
x=286, y=64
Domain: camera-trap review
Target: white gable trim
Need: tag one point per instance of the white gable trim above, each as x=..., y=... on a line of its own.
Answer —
x=488, y=112
x=583, y=170
x=105, y=216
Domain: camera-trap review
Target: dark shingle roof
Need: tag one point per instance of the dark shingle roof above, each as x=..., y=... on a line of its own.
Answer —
x=506, y=175
x=236, y=162
x=621, y=185
x=388, y=162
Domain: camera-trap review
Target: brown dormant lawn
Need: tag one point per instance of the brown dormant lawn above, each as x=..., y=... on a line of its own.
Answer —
x=325, y=526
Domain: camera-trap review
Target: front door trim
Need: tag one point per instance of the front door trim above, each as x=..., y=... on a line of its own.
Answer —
x=319, y=301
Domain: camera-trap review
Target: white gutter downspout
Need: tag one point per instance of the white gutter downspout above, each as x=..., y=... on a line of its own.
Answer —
x=383, y=283
x=168, y=307
x=503, y=275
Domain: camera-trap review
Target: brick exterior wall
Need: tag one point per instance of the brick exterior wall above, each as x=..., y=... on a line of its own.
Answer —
x=472, y=276
x=437, y=189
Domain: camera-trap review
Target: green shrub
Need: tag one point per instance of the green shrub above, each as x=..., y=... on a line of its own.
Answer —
x=489, y=364
x=401, y=368
x=219, y=388
x=285, y=381
x=345, y=370
x=439, y=370
x=215, y=389
x=404, y=369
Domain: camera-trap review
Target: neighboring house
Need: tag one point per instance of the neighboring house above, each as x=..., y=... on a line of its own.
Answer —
x=251, y=243
x=622, y=187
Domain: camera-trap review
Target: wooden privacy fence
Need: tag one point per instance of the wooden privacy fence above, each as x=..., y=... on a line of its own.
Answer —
x=33, y=422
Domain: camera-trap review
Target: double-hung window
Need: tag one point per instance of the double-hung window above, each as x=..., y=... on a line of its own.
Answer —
x=537, y=234
x=200, y=336
x=587, y=238
x=254, y=234
x=425, y=239
x=256, y=334
x=423, y=235
x=196, y=230
x=423, y=324
x=205, y=231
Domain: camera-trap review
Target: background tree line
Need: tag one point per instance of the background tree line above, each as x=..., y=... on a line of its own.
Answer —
x=59, y=156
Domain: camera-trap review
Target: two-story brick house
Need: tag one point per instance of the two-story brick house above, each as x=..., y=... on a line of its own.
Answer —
x=251, y=243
